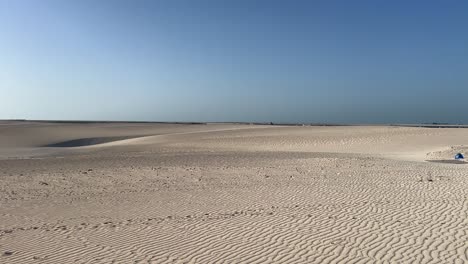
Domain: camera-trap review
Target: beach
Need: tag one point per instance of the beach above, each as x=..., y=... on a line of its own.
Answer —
x=231, y=193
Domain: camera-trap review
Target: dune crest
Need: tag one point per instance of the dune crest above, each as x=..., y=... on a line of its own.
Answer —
x=82, y=142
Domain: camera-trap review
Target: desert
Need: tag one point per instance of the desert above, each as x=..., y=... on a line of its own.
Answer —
x=231, y=193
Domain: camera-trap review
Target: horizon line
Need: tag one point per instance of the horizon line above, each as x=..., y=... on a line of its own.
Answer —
x=76, y=121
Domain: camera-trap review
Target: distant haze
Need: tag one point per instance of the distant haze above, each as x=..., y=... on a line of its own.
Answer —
x=279, y=61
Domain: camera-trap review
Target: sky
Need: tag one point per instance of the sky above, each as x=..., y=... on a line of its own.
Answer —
x=235, y=60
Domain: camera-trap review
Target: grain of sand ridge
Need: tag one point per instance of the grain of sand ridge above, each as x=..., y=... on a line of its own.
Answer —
x=224, y=193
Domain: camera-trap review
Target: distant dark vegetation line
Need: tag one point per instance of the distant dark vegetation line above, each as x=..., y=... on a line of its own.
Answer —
x=100, y=122
x=431, y=125
x=174, y=122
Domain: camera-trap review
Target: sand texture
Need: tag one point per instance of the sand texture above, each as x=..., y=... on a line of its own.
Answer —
x=227, y=193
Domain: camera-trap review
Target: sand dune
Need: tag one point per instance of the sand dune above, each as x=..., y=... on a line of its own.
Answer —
x=81, y=142
x=221, y=193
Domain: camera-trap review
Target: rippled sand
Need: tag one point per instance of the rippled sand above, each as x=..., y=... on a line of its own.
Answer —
x=224, y=193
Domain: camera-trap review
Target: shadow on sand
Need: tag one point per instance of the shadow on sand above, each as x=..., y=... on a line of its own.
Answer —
x=81, y=142
x=449, y=161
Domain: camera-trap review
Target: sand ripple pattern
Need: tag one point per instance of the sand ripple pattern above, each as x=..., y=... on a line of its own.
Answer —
x=159, y=204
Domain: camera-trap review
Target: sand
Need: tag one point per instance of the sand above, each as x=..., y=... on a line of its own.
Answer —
x=227, y=193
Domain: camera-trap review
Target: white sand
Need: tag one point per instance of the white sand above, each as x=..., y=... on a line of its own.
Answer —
x=223, y=193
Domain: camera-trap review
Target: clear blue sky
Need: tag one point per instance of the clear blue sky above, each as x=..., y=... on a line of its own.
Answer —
x=281, y=61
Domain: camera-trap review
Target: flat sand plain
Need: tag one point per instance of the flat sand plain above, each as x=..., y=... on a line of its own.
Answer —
x=226, y=193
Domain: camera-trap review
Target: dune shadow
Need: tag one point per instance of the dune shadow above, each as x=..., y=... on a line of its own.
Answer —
x=448, y=161
x=81, y=142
